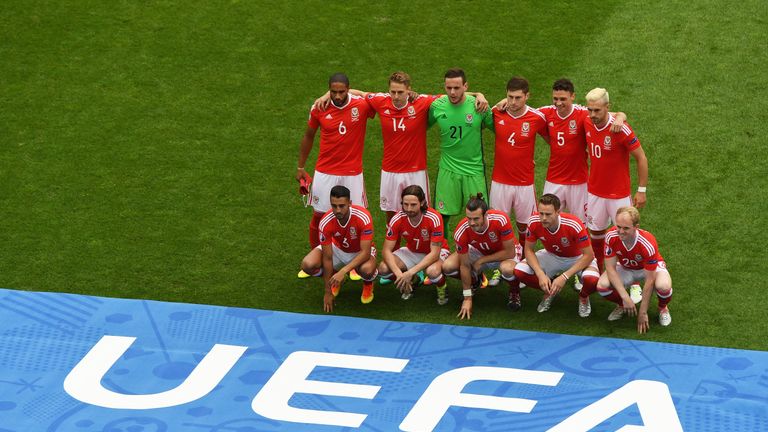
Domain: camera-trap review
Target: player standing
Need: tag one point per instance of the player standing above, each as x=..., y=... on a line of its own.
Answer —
x=461, y=171
x=403, y=115
x=609, y=185
x=632, y=256
x=484, y=241
x=426, y=248
x=340, y=158
x=346, y=244
x=516, y=127
x=567, y=252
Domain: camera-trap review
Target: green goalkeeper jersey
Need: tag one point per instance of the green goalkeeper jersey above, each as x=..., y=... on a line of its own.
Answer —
x=461, y=140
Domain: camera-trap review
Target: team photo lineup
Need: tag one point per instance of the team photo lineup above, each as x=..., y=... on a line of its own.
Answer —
x=583, y=229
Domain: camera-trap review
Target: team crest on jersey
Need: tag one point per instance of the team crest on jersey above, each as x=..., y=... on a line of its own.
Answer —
x=526, y=127
x=607, y=143
x=638, y=257
x=353, y=232
x=469, y=118
x=424, y=234
x=411, y=111
x=355, y=114
x=572, y=127
x=492, y=236
x=564, y=241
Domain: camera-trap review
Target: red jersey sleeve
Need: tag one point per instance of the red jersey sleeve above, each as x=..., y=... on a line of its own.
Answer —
x=313, y=121
x=437, y=229
x=583, y=238
x=506, y=231
x=461, y=237
x=630, y=140
x=393, y=231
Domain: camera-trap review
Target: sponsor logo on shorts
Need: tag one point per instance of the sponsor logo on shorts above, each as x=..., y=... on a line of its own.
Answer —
x=383, y=200
x=315, y=199
x=440, y=205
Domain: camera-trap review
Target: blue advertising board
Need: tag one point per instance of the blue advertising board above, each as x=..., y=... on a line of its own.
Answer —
x=77, y=363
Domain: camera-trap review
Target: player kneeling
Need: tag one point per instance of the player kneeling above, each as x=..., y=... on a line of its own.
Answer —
x=566, y=252
x=346, y=244
x=426, y=248
x=632, y=256
x=484, y=241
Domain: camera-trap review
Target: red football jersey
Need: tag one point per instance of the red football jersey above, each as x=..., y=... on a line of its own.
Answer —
x=609, y=159
x=342, y=136
x=644, y=253
x=404, y=132
x=359, y=227
x=515, y=139
x=419, y=237
x=567, y=145
x=568, y=240
x=489, y=241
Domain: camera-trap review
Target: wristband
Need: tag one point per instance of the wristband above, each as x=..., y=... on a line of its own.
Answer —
x=467, y=293
x=641, y=189
x=301, y=168
x=565, y=276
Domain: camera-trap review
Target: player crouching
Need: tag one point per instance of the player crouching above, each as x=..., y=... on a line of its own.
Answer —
x=566, y=252
x=632, y=256
x=426, y=248
x=484, y=241
x=346, y=244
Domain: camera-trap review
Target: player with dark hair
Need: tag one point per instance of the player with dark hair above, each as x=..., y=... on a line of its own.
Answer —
x=461, y=168
x=512, y=185
x=340, y=158
x=484, y=241
x=422, y=229
x=346, y=244
x=567, y=252
x=632, y=256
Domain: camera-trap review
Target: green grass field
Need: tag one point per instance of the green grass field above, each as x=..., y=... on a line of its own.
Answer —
x=149, y=148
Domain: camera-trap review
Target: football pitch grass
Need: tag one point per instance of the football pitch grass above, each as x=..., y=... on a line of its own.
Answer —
x=149, y=149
